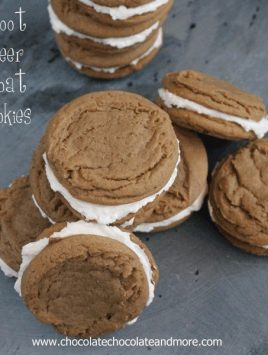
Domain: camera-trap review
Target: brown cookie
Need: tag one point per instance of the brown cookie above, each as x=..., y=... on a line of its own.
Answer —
x=238, y=197
x=187, y=193
x=51, y=204
x=215, y=107
x=48, y=201
x=159, y=14
x=20, y=223
x=89, y=280
x=110, y=150
x=85, y=20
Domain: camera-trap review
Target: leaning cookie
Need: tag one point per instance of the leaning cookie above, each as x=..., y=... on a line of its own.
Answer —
x=87, y=279
x=20, y=223
x=238, y=197
x=186, y=195
x=211, y=106
x=108, y=154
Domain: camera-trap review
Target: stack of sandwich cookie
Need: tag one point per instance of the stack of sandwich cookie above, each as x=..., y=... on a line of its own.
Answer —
x=238, y=197
x=87, y=279
x=108, y=40
x=208, y=105
x=105, y=156
x=186, y=195
x=20, y=223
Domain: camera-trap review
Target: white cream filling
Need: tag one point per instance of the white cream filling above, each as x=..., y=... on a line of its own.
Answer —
x=31, y=250
x=196, y=206
x=210, y=210
x=157, y=44
x=7, y=269
x=118, y=42
x=103, y=214
x=122, y=12
x=170, y=99
x=265, y=246
x=128, y=223
x=41, y=211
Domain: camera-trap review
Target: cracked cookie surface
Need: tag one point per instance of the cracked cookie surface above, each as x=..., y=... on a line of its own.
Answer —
x=112, y=147
x=86, y=285
x=239, y=194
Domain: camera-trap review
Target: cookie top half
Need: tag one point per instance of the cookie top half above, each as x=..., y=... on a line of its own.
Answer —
x=87, y=279
x=238, y=195
x=111, y=147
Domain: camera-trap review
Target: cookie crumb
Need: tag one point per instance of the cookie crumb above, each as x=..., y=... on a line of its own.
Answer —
x=55, y=55
x=253, y=18
x=192, y=26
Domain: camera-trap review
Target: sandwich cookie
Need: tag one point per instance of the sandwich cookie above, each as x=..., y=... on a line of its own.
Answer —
x=20, y=223
x=107, y=42
x=108, y=154
x=46, y=200
x=186, y=195
x=211, y=106
x=238, y=197
x=87, y=279
x=126, y=14
x=85, y=20
x=113, y=72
